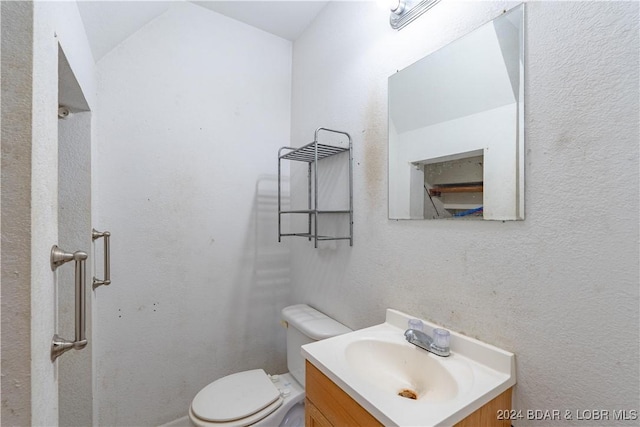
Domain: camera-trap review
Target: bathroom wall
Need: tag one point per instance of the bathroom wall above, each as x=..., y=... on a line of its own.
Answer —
x=31, y=36
x=17, y=38
x=75, y=388
x=559, y=289
x=192, y=110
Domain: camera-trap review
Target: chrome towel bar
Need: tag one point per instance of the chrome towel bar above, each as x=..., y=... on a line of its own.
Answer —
x=60, y=345
x=95, y=234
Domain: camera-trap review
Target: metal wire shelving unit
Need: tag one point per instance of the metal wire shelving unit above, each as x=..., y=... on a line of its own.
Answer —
x=311, y=154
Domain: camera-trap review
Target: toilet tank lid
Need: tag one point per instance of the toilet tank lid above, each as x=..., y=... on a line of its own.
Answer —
x=312, y=323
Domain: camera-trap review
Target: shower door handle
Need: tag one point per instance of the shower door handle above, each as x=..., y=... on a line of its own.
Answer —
x=95, y=234
x=60, y=345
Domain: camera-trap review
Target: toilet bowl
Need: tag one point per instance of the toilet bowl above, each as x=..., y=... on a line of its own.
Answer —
x=245, y=399
x=254, y=398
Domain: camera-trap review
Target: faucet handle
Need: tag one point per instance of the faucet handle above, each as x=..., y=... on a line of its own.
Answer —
x=416, y=324
x=441, y=339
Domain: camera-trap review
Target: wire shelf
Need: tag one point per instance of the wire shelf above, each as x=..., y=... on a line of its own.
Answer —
x=310, y=153
x=307, y=152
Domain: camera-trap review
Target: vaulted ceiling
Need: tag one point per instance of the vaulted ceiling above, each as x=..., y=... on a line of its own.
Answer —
x=108, y=23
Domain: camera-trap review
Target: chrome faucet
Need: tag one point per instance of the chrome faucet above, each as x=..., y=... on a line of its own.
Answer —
x=424, y=341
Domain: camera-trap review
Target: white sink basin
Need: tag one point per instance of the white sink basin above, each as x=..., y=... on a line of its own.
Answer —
x=405, y=370
x=373, y=365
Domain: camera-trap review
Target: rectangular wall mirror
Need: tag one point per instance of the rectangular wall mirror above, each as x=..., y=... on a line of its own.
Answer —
x=456, y=128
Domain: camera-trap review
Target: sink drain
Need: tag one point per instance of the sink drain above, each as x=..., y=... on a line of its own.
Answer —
x=409, y=394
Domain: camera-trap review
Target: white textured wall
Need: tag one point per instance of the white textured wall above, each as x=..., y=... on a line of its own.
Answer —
x=32, y=34
x=16, y=67
x=44, y=216
x=70, y=32
x=55, y=24
x=559, y=289
x=74, y=234
x=192, y=110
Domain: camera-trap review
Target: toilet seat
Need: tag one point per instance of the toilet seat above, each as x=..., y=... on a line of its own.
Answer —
x=239, y=399
x=285, y=408
x=243, y=422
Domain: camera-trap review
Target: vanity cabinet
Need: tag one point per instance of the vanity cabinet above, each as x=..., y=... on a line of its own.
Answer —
x=327, y=405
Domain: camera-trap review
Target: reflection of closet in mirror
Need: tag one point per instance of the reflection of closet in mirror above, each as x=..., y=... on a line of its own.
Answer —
x=454, y=187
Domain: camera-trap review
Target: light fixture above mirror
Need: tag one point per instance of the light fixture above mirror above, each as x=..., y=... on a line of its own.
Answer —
x=405, y=11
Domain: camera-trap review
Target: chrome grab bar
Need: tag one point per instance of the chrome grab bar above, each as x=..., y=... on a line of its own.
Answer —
x=95, y=234
x=60, y=345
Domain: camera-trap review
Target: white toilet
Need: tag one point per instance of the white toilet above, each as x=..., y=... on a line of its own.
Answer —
x=254, y=398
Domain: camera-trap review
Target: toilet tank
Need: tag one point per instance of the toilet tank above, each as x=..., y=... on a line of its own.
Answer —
x=306, y=325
